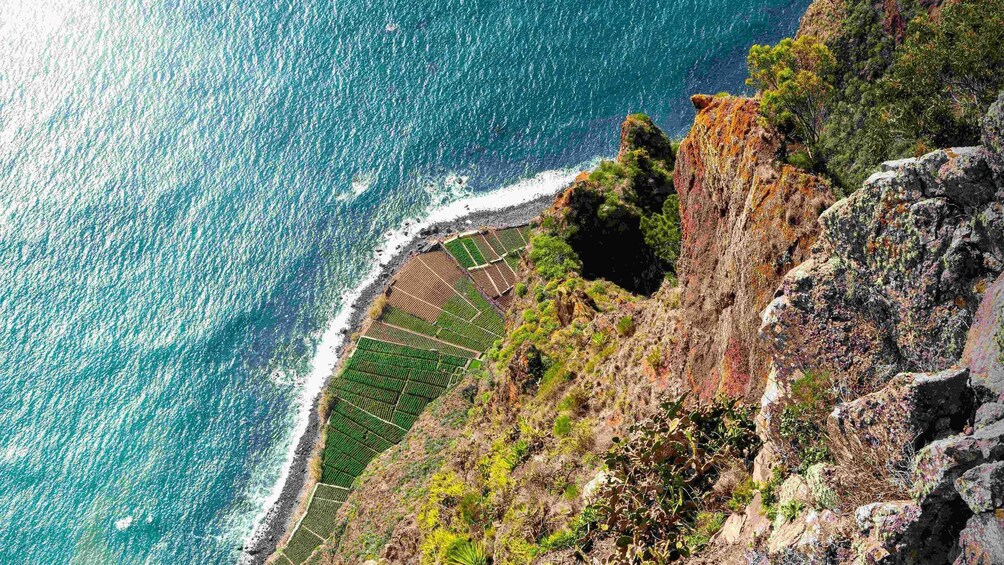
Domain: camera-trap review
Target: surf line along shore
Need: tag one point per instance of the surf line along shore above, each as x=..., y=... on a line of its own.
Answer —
x=277, y=517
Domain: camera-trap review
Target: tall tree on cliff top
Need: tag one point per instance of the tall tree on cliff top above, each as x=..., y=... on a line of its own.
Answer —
x=794, y=95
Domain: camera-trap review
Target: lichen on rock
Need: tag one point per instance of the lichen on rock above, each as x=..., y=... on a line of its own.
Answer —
x=746, y=220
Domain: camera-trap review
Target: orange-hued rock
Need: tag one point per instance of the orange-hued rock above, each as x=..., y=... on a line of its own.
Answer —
x=746, y=219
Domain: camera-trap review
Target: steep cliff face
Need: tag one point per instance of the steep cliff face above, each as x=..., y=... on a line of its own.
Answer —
x=746, y=220
x=888, y=334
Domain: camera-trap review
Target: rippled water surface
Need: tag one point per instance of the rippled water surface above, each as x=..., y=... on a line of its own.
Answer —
x=188, y=188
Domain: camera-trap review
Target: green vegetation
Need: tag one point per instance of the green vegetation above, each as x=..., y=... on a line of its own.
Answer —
x=467, y=553
x=789, y=77
x=811, y=399
x=625, y=326
x=553, y=257
x=652, y=500
x=889, y=98
x=622, y=222
x=662, y=232
x=402, y=364
x=562, y=425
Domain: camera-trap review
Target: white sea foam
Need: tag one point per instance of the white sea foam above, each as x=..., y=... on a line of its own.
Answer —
x=327, y=354
x=123, y=524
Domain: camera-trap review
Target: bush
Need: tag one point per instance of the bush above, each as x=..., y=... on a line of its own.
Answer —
x=625, y=326
x=520, y=289
x=801, y=160
x=662, y=231
x=651, y=501
x=947, y=71
x=562, y=425
x=466, y=552
x=811, y=399
x=553, y=257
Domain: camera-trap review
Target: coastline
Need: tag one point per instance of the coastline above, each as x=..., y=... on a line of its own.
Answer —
x=274, y=525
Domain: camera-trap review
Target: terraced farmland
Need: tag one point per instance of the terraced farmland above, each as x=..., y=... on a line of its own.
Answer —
x=441, y=313
x=490, y=258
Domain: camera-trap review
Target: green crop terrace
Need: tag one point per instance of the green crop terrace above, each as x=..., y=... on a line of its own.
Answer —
x=404, y=360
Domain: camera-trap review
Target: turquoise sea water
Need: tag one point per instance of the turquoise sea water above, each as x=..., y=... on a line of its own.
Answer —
x=188, y=188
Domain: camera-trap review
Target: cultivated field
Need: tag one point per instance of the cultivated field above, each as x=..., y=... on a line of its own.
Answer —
x=441, y=313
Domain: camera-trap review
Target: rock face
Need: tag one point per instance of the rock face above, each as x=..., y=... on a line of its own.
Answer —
x=897, y=274
x=982, y=353
x=746, y=221
x=901, y=306
x=888, y=425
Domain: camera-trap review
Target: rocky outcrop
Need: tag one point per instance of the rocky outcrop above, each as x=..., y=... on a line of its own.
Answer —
x=896, y=277
x=600, y=214
x=901, y=307
x=746, y=220
x=982, y=353
x=886, y=426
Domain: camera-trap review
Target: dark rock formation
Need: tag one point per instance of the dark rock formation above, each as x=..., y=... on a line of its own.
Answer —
x=982, y=541
x=982, y=487
x=746, y=221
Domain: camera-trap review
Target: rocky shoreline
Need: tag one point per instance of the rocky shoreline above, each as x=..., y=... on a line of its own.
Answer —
x=273, y=527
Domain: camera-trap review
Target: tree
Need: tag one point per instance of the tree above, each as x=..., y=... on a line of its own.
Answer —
x=947, y=72
x=662, y=231
x=794, y=94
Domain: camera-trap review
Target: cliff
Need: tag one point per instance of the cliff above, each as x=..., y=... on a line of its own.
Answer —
x=881, y=423
x=746, y=220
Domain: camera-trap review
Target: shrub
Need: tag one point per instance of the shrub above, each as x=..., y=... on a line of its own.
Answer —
x=801, y=160
x=625, y=326
x=562, y=425
x=799, y=425
x=791, y=509
x=656, y=481
x=706, y=526
x=947, y=71
x=466, y=552
x=742, y=495
x=553, y=257
x=520, y=289
x=662, y=231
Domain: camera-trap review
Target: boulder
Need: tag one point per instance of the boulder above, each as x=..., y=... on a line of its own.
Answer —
x=794, y=489
x=940, y=463
x=763, y=463
x=982, y=353
x=746, y=219
x=820, y=477
x=887, y=425
x=989, y=413
x=524, y=372
x=993, y=133
x=982, y=540
x=572, y=305
x=885, y=526
x=896, y=276
x=982, y=487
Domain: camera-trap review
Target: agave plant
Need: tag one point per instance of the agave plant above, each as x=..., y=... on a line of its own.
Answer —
x=467, y=552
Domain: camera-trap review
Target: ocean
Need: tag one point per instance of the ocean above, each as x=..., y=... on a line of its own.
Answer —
x=192, y=190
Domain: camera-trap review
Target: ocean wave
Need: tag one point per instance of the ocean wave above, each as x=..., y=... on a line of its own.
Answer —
x=336, y=332
x=123, y=523
x=361, y=182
